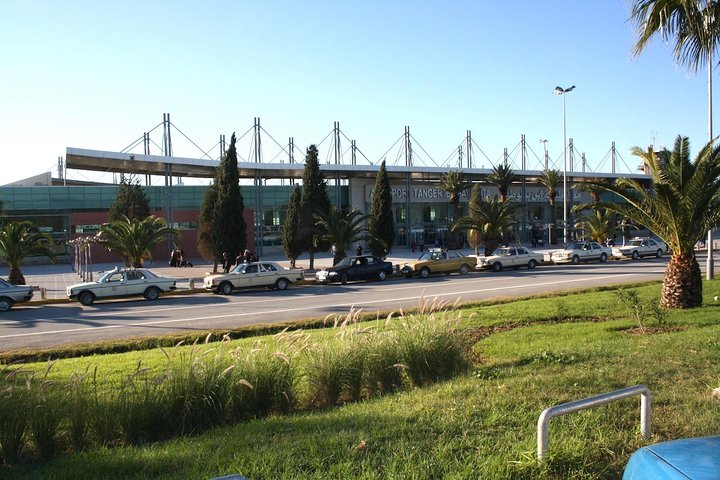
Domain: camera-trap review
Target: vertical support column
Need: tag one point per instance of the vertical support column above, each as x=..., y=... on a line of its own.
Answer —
x=408, y=223
x=571, y=156
x=223, y=147
x=523, y=200
x=337, y=152
x=258, y=218
x=612, y=158
x=146, y=150
x=353, y=152
x=258, y=141
x=523, y=152
x=408, y=148
x=291, y=156
x=460, y=157
x=584, y=162
x=169, y=206
x=570, y=189
x=468, y=148
x=505, y=157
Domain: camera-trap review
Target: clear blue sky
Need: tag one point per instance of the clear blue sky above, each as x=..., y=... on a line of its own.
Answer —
x=97, y=74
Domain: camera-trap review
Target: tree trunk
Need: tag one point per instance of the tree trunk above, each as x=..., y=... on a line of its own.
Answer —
x=553, y=222
x=490, y=246
x=16, y=276
x=682, y=285
x=312, y=259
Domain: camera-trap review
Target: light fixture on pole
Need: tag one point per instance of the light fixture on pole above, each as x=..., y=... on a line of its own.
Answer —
x=563, y=91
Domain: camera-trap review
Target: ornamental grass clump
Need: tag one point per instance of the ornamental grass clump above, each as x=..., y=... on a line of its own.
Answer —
x=15, y=395
x=47, y=406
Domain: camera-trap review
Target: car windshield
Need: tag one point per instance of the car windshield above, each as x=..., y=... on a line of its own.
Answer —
x=574, y=246
x=635, y=243
x=4, y=284
x=502, y=251
x=344, y=262
x=106, y=277
x=425, y=256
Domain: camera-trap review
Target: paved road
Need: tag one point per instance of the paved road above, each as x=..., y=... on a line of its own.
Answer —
x=61, y=324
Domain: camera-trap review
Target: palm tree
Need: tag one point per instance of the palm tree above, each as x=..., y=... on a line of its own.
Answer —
x=683, y=204
x=590, y=185
x=19, y=240
x=599, y=225
x=551, y=180
x=689, y=23
x=502, y=176
x=134, y=240
x=454, y=183
x=341, y=230
x=490, y=220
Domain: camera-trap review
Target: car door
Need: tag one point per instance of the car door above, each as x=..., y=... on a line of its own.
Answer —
x=113, y=286
x=135, y=282
x=267, y=275
x=251, y=276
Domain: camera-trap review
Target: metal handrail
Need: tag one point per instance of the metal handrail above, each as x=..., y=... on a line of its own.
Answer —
x=549, y=413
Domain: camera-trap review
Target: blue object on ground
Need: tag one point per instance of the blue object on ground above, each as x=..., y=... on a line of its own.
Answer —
x=690, y=458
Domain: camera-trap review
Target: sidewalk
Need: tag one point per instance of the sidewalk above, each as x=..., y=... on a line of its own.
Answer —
x=56, y=278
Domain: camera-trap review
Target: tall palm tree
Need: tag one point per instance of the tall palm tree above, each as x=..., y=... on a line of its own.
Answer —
x=693, y=26
x=19, y=240
x=683, y=204
x=599, y=225
x=341, y=230
x=590, y=185
x=454, y=182
x=502, y=176
x=490, y=220
x=551, y=180
x=134, y=240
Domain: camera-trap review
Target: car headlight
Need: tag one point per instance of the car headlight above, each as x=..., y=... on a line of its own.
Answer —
x=332, y=274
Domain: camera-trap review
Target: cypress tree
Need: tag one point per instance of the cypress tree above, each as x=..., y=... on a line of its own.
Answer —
x=131, y=201
x=290, y=239
x=315, y=200
x=208, y=248
x=381, y=224
x=229, y=228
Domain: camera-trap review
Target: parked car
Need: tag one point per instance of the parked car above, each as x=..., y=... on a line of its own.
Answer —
x=122, y=282
x=509, y=257
x=252, y=275
x=437, y=260
x=11, y=294
x=577, y=252
x=689, y=458
x=640, y=247
x=355, y=268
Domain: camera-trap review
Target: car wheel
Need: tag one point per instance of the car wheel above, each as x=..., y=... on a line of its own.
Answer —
x=497, y=267
x=382, y=275
x=5, y=304
x=344, y=278
x=152, y=293
x=603, y=257
x=659, y=254
x=281, y=284
x=86, y=298
x=575, y=260
x=226, y=288
x=532, y=264
x=424, y=272
x=464, y=269
x=635, y=255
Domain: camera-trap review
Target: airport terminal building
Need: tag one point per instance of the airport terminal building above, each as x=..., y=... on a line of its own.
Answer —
x=423, y=214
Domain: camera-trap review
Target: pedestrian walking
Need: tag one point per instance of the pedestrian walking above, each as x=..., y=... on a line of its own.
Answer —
x=358, y=250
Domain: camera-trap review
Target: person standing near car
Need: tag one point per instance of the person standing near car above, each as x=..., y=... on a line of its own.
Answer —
x=227, y=263
x=358, y=250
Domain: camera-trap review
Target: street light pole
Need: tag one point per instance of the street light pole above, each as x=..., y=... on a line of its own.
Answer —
x=563, y=91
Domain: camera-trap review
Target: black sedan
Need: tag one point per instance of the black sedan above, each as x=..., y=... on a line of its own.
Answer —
x=355, y=268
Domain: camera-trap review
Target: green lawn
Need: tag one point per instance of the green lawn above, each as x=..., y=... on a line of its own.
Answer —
x=529, y=354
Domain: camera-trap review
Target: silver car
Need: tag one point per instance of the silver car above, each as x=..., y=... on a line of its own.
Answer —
x=11, y=294
x=253, y=275
x=122, y=282
x=640, y=247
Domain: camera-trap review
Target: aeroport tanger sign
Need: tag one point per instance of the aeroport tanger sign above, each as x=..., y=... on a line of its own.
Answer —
x=428, y=194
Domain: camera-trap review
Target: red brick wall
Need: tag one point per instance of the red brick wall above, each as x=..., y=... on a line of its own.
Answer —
x=187, y=240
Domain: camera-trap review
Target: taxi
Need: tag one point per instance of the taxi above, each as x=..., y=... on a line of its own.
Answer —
x=437, y=260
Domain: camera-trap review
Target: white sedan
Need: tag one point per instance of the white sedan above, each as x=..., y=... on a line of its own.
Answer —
x=577, y=252
x=252, y=275
x=509, y=257
x=640, y=247
x=11, y=294
x=122, y=282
